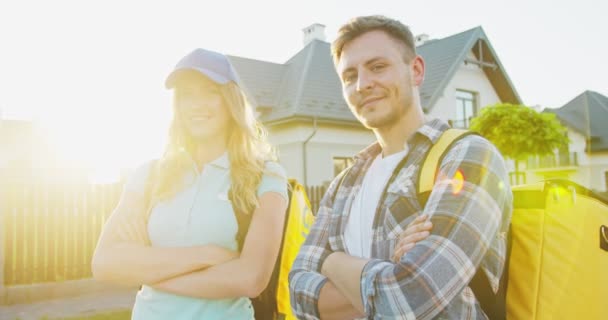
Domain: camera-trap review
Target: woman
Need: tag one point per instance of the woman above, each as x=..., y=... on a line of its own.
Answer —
x=174, y=229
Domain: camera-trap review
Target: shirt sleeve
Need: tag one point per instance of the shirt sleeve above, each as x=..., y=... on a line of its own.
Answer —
x=469, y=206
x=273, y=180
x=305, y=278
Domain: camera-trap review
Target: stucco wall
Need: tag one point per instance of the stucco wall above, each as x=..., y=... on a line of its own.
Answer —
x=591, y=169
x=469, y=77
x=328, y=141
x=598, y=166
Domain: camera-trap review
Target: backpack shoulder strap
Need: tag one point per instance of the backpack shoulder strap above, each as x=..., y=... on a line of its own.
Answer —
x=435, y=155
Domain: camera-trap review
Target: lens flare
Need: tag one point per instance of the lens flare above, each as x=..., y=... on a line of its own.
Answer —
x=457, y=182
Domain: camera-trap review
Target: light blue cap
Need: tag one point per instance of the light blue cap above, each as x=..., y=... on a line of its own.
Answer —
x=211, y=64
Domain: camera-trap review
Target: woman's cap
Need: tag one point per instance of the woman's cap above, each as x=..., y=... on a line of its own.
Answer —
x=211, y=64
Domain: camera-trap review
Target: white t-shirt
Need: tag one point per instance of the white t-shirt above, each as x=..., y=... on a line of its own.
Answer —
x=358, y=232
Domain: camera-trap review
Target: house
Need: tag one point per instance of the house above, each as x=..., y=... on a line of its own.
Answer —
x=301, y=103
x=585, y=159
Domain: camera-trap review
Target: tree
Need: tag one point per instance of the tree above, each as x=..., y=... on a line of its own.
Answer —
x=519, y=131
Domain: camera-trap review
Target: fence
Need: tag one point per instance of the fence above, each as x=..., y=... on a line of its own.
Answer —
x=315, y=194
x=50, y=231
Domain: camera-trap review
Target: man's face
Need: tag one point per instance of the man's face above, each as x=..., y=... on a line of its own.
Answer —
x=377, y=83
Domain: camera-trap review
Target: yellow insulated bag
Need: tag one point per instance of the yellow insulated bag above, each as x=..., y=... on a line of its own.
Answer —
x=558, y=244
x=298, y=222
x=559, y=257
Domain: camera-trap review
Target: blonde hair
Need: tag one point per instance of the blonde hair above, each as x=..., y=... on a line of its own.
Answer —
x=248, y=151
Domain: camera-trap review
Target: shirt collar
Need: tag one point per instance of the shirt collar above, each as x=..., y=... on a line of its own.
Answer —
x=431, y=129
x=369, y=152
x=222, y=162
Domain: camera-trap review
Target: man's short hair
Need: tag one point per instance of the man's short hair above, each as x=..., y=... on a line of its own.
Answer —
x=360, y=25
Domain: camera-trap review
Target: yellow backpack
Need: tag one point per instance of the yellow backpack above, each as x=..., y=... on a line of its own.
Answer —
x=558, y=263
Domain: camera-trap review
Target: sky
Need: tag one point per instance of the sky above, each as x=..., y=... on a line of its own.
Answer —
x=92, y=72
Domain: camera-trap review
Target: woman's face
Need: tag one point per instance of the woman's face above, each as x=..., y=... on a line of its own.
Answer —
x=201, y=108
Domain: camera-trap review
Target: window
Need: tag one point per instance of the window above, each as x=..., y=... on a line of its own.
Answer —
x=466, y=107
x=341, y=163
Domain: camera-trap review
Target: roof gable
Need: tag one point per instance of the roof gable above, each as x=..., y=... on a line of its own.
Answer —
x=444, y=57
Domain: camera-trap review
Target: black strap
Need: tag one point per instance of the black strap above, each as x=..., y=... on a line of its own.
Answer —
x=333, y=197
x=493, y=304
x=243, y=221
x=265, y=305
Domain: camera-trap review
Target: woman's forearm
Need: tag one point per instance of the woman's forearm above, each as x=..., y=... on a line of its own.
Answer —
x=232, y=279
x=134, y=264
x=250, y=273
x=124, y=255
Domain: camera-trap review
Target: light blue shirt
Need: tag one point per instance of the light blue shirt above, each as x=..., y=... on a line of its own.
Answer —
x=198, y=215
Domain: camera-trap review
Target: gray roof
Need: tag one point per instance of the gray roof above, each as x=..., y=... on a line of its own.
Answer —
x=307, y=84
x=261, y=79
x=588, y=114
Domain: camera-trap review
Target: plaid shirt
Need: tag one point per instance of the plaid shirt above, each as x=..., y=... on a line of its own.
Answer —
x=470, y=220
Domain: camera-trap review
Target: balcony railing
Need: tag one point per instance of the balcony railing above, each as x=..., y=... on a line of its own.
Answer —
x=569, y=159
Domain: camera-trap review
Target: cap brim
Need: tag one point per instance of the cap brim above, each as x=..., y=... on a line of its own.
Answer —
x=177, y=73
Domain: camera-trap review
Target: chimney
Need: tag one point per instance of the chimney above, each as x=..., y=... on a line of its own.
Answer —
x=421, y=39
x=315, y=31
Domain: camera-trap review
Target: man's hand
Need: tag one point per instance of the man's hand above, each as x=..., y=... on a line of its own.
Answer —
x=416, y=231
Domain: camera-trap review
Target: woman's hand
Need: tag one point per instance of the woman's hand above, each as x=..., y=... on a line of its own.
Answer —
x=416, y=231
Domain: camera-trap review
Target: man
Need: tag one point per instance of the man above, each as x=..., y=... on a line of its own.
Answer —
x=344, y=270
